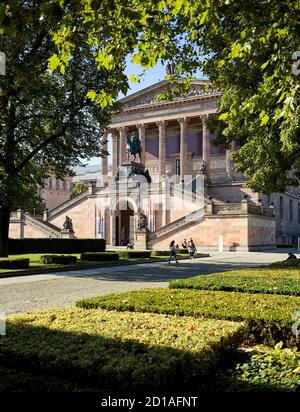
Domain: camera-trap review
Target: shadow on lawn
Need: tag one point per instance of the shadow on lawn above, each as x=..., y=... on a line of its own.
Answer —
x=160, y=272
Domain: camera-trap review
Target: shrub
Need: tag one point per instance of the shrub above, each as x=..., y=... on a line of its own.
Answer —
x=133, y=254
x=286, y=263
x=183, y=251
x=51, y=245
x=274, y=370
x=14, y=264
x=268, y=317
x=51, y=259
x=129, y=352
x=159, y=253
x=104, y=256
x=250, y=284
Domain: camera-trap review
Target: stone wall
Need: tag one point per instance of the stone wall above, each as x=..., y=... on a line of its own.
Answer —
x=19, y=230
x=83, y=216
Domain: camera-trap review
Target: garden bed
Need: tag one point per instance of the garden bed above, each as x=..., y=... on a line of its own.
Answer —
x=126, y=352
x=231, y=282
x=268, y=317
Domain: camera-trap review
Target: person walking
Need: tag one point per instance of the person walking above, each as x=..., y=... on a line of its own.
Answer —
x=172, y=251
x=191, y=248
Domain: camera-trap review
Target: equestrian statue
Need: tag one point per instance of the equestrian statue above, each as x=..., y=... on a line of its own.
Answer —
x=133, y=146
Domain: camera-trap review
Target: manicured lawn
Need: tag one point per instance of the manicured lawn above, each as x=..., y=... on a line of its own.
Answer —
x=35, y=260
x=131, y=352
x=269, y=317
x=258, y=280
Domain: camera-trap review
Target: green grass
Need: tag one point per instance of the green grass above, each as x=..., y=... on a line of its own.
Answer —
x=35, y=260
x=268, y=316
x=262, y=280
x=139, y=352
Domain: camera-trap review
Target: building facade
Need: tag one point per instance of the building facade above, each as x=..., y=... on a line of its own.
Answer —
x=194, y=190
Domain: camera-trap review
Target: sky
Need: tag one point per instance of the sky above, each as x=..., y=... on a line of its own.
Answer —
x=152, y=76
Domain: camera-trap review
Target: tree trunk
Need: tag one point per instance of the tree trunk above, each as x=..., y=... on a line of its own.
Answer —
x=4, y=229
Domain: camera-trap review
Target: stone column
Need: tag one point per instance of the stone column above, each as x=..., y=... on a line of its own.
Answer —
x=115, y=154
x=142, y=137
x=112, y=233
x=183, y=148
x=205, y=143
x=122, y=137
x=104, y=160
x=161, y=148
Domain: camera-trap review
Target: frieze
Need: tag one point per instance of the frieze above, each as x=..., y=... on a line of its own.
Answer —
x=195, y=91
x=159, y=112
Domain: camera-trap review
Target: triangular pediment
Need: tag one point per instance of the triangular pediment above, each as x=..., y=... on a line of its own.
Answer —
x=149, y=95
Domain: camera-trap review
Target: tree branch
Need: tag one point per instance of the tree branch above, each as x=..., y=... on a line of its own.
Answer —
x=43, y=144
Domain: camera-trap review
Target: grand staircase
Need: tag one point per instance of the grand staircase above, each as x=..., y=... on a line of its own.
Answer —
x=47, y=228
x=66, y=205
x=179, y=224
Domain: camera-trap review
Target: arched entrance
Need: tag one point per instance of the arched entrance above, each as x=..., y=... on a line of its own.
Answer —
x=124, y=223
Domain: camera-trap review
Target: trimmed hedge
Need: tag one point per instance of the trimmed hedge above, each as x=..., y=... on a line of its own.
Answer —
x=14, y=263
x=268, y=317
x=52, y=259
x=134, y=254
x=183, y=251
x=101, y=256
x=250, y=284
x=132, y=353
x=155, y=253
x=53, y=245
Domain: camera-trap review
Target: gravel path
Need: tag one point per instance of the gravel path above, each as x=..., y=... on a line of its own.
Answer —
x=24, y=294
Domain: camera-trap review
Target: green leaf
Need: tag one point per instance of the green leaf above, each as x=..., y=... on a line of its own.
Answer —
x=264, y=119
x=235, y=50
x=53, y=62
x=224, y=116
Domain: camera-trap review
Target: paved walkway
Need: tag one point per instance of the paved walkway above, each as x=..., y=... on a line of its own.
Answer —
x=27, y=293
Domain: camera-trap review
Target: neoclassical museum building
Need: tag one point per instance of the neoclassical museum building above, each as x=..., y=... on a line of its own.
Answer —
x=182, y=186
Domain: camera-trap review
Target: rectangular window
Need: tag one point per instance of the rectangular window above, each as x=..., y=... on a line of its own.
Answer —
x=281, y=207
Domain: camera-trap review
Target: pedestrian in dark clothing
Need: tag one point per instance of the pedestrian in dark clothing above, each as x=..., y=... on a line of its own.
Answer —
x=172, y=251
x=291, y=256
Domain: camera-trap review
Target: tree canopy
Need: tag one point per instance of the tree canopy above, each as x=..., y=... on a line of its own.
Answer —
x=66, y=66
x=47, y=121
x=247, y=49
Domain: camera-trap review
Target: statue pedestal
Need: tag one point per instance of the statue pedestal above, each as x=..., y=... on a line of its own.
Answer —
x=140, y=239
x=128, y=167
x=67, y=234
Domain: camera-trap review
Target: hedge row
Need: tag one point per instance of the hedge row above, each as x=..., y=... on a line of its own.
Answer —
x=134, y=254
x=64, y=260
x=249, y=284
x=14, y=263
x=159, y=253
x=53, y=245
x=268, y=317
x=128, y=352
x=104, y=256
